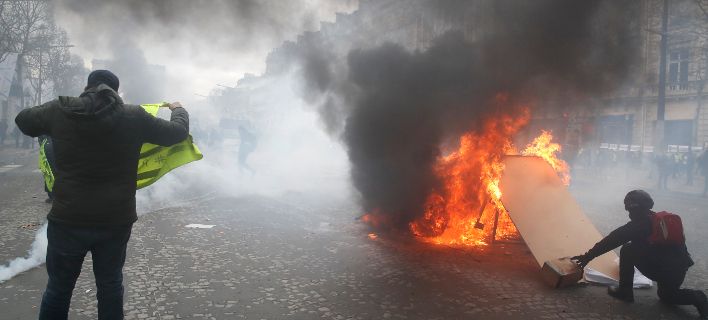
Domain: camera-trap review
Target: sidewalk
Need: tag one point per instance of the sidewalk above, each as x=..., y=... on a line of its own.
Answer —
x=9, y=155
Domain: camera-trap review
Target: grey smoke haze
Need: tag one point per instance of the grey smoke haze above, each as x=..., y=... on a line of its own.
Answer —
x=201, y=43
x=395, y=108
x=141, y=82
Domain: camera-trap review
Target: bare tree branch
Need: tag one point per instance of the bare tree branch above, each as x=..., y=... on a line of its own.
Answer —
x=703, y=6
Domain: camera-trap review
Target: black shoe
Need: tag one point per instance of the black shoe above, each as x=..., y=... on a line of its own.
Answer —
x=622, y=293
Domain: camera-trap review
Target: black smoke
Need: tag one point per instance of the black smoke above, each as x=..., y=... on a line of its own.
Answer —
x=395, y=108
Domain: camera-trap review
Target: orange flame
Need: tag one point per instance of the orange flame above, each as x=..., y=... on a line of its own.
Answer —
x=544, y=148
x=468, y=209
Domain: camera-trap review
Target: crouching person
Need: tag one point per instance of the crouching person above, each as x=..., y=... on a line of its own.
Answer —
x=97, y=142
x=654, y=243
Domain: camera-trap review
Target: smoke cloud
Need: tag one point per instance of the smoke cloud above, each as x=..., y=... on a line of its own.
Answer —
x=201, y=43
x=395, y=109
x=169, y=50
x=35, y=257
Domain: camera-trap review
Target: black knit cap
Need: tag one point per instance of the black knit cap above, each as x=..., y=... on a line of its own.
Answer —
x=103, y=76
x=638, y=199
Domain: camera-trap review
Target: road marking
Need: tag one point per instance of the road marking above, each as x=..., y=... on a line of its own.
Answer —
x=9, y=167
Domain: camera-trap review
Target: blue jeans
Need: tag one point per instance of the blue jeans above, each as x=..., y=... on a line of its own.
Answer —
x=67, y=247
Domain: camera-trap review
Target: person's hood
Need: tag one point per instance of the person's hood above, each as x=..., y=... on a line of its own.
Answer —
x=94, y=108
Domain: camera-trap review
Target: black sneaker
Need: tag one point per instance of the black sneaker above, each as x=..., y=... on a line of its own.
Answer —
x=622, y=293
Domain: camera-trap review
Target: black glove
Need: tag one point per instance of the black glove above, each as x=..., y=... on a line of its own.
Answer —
x=581, y=260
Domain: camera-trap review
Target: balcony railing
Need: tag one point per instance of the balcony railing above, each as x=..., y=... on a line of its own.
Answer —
x=685, y=88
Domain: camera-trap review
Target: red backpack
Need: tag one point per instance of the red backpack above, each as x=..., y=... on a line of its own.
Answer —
x=666, y=229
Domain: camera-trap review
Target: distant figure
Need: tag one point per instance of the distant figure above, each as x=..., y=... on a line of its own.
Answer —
x=3, y=131
x=665, y=263
x=690, y=165
x=248, y=144
x=663, y=166
x=703, y=165
x=675, y=164
x=97, y=141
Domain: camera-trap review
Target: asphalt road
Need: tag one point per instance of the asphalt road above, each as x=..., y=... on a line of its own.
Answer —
x=299, y=256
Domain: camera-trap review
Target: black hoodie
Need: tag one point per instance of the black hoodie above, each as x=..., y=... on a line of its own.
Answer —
x=97, y=143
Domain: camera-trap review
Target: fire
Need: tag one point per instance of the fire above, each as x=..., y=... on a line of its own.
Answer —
x=468, y=210
x=544, y=148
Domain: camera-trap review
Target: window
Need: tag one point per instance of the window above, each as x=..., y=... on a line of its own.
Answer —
x=678, y=69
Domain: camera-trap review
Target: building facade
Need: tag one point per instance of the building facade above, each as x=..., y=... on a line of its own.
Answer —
x=626, y=119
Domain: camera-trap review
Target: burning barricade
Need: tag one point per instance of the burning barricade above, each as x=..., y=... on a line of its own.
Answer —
x=492, y=191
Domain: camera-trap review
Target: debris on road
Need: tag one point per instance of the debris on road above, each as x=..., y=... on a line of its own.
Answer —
x=199, y=226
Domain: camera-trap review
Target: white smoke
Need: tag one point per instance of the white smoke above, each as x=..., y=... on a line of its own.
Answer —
x=35, y=257
x=293, y=153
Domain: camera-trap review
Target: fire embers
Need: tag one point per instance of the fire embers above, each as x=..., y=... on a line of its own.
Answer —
x=467, y=208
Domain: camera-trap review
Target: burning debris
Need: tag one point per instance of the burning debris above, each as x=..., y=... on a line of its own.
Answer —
x=471, y=180
x=426, y=131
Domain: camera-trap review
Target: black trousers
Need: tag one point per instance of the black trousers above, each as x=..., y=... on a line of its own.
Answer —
x=668, y=279
x=66, y=249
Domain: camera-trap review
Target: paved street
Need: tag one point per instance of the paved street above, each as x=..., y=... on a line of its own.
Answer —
x=299, y=256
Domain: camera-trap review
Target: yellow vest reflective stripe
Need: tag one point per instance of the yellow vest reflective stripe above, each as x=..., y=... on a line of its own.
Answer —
x=155, y=161
x=45, y=168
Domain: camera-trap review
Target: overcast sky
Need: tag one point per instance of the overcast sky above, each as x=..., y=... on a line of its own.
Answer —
x=201, y=43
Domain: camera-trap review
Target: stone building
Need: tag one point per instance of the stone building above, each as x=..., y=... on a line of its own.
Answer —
x=625, y=119
x=629, y=116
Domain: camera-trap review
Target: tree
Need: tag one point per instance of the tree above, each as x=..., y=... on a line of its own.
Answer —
x=7, y=21
x=28, y=29
x=51, y=64
x=703, y=6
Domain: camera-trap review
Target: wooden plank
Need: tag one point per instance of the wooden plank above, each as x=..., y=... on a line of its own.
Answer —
x=547, y=216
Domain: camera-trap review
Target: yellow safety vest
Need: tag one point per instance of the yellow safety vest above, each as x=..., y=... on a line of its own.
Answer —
x=155, y=161
x=46, y=168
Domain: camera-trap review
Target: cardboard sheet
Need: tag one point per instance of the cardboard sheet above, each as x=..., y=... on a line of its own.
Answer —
x=547, y=216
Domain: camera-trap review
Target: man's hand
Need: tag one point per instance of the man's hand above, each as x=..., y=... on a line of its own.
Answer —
x=581, y=260
x=172, y=105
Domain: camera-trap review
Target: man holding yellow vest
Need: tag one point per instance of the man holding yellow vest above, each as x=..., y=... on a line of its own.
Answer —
x=97, y=146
